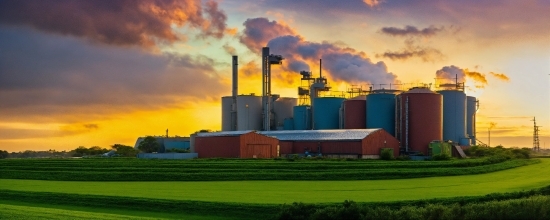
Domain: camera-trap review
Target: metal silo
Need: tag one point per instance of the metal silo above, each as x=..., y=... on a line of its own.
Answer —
x=227, y=101
x=282, y=109
x=354, y=114
x=381, y=111
x=288, y=124
x=249, y=112
x=471, y=109
x=326, y=112
x=454, y=116
x=420, y=116
x=302, y=117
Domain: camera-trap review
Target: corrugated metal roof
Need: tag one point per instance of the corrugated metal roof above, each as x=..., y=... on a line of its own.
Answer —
x=223, y=133
x=320, y=135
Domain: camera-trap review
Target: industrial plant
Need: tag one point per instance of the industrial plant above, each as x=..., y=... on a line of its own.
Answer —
x=410, y=121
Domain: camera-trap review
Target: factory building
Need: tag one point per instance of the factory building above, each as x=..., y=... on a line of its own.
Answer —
x=413, y=117
x=168, y=143
x=348, y=143
x=235, y=144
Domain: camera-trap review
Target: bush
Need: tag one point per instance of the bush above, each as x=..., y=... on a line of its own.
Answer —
x=441, y=157
x=386, y=154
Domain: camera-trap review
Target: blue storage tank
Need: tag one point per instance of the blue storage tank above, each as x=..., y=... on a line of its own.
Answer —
x=471, y=109
x=302, y=117
x=454, y=115
x=326, y=112
x=381, y=111
x=288, y=124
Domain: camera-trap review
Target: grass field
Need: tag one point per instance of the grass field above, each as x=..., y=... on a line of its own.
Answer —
x=120, y=169
x=277, y=192
x=21, y=210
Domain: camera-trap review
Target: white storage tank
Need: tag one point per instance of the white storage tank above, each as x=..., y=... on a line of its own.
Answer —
x=282, y=109
x=249, y=112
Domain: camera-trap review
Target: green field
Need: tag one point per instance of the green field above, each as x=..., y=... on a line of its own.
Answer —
x=234, y=170
x=29, y=212
x=277, y=192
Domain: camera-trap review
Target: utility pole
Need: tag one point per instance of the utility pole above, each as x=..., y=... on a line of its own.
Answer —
x=536, y=141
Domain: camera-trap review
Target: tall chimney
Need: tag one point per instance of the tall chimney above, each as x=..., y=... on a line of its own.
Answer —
x=235, y=76
x=235, y=92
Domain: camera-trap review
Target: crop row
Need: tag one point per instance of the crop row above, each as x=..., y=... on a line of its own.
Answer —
x=532, y=204
x=210, y=174
x=241, y=164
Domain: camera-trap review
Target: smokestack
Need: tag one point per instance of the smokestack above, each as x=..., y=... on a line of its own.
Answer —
x=320, y=68
x=235, y=92
x=235, y=76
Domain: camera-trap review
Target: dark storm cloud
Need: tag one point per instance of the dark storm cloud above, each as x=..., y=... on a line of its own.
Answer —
x=343, y=64
x=411, y=31
x=44, y=75
x=117, y=22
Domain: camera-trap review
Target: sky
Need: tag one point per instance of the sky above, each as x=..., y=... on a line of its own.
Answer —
x=97, y=73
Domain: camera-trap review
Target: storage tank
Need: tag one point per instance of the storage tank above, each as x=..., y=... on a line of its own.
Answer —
x=227, y=101
x=249, y=112
x=302, y=117
x=354, y=112
x=454, y=116
x=420, y=117
x=326, y=112
x=282, y=109
x=381, y=111
x=471, y=109
x=288, y=124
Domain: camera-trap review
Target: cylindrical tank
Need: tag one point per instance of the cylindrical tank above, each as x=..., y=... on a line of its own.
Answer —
x=302, y=117
x=471, y=109
x=227, y=101
x=381, y=111
x=288, y=124
x=282, y=109
x=454, y=115
x=355, y=114
x=420, y=119
x=326, y=112
x=249, y=112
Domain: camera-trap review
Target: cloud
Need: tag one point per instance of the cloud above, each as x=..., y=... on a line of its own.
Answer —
x=456, y=73
x=372, y=3
x=427, y=54
x=453, y=72
x=408, y=31
x=229, y=49
x=258, y=31
x=144, y=23
x=45, y=77
x=500, y=76
x=8, y=133
x=341, y=63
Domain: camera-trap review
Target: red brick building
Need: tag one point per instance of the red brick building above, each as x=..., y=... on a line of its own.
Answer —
x=352, y=143
x=235, y=144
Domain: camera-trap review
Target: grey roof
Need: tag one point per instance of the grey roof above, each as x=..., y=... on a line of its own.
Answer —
x=302, y=135
x=318, y=135
x=223, y=133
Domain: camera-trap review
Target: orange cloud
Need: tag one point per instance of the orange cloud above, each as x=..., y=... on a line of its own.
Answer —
x=500, y=76
x=372, y=3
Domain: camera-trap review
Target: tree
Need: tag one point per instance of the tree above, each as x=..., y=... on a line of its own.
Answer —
x=3, y=154
x=149, y=145
x=125, y=150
